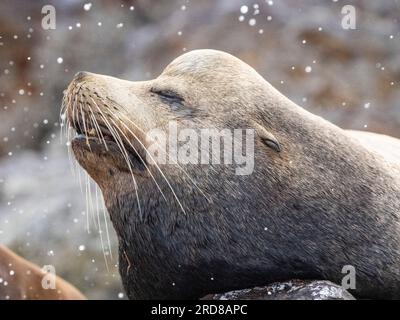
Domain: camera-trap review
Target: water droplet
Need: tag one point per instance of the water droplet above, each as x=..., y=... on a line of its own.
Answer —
x=87, y=6
x=244, y=9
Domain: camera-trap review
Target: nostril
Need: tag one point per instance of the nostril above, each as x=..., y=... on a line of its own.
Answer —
x=79, y=76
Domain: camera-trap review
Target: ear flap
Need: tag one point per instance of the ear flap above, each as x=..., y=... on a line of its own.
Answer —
x=267, y=138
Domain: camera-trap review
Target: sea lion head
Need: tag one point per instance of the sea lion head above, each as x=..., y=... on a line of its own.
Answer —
x=113, y=117
x=188, y=229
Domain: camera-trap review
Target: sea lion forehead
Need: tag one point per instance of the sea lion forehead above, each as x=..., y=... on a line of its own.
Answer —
x=202, y=61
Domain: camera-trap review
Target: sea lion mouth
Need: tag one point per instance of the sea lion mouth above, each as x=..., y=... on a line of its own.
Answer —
x=99, y=134
x=101, y=143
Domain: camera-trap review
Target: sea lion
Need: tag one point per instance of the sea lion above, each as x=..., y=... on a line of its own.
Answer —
x=22, y=280
x=318, y=200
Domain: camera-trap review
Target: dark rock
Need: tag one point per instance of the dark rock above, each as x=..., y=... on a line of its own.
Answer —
x=291, y=290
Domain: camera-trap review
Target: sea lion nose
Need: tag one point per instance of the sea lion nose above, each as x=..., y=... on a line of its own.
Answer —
x=81, y=75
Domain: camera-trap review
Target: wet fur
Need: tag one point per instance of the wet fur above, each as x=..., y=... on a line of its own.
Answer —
x=325, y=200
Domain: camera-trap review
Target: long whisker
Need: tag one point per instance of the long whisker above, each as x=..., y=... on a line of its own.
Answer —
x=63, y=118
x=100, y=230
x=93, y=206
x=134, y=149
x=106, y=224
x=90, y=206
x=161, y=149
x=121, y=146
x=159, y=169
x=84, y=125
x=117, y=139
x=74, y=109
x=65, y=130
x=98, y=130
x=99, y=134
x=87, y=203
x=96, y=125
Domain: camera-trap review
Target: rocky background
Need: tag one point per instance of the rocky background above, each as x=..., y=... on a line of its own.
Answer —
x=351, y=77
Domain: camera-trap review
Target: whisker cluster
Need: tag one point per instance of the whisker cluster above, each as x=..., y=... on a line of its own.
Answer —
x=93, y=206
x=85, y=115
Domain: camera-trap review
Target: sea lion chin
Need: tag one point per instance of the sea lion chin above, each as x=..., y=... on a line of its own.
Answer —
x=318, y=200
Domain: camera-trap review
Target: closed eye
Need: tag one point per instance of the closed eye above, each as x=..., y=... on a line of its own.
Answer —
x=175, y=102
x=168, y=96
